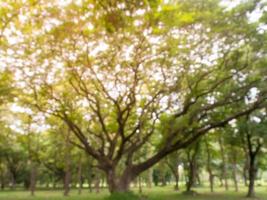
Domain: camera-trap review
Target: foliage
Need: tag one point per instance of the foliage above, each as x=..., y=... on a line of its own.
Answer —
x=127, y=82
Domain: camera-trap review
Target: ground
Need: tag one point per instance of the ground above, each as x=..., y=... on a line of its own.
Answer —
x=156, y=193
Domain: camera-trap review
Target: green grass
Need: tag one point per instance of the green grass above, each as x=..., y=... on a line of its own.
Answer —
x=156, y=193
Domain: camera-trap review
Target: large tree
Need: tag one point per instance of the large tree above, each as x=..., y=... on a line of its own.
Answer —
x=126, y=74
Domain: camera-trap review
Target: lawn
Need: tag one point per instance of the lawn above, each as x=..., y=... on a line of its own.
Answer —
x=156, y=193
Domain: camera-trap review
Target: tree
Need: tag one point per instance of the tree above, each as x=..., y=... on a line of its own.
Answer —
x=173, y=161
x=253, y=131
x=224, y=163
x=210, y=154
x=117, y=73
x=14, y=158
x=192, y=166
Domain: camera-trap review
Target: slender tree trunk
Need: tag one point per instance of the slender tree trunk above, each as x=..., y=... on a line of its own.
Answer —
x=252, y=177
x=67, y=177
x=211, y=180
x=175, y=173
x=54, y=183
x=234, y=157
x=209, y=168
x=47, y=185
x=245, y=177
x=13, y=181
x=163, y=179
x=2, y=184
x=191, y=176
x=176, y=176
x=192, y=173
x=150, y=177
x=252, y=153
x=80, y=176
x=235, y=178
x=224, y=170
x=140, y=184
x=2, y=180
x=90, y=185
x=245, y=169
x=97, y=185
x=221, y=181
x=33, y=177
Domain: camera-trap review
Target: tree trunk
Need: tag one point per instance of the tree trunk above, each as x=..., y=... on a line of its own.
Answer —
x=67, y=177
x=163, y=179
x=209, y=168
x=97, y=184
x=235, y=178
x=234, y=166
x=192, y=168
x=2, y=180
x=90, y=184
x=175, y=173
x=2, y=184
x=80, y=176
x=13, y=181
x=252, y=153
x=252, y=177
x=150, y=177
x=245, y=177
x=140, y=184
x=191, y=179
x=119, y=184
x=245, y=169
x=176, y=176
x=192, y=173
x=211, y=180
x=54, y=183
x=33, y=177
x=224, y=170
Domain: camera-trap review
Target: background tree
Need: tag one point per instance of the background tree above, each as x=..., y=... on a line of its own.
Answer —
x=253, y=129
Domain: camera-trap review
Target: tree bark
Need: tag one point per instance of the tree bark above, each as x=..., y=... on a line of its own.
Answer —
x=245, y=173
x=175, y=173
x=97, y=184
x=252, y=152
x=2, y=179
x=120, y=184
x=150, y=178
x=33, y=178
x=234, y=164
x=235, y=178
x=67, y=177
x=163, y=179
x=176, y=176
x=191, y=176
x=192, y=168
x=252, y=177
x=224, y=170
x=140, y=184
x=80, y=176
x=209, y=168
x=13, y=180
